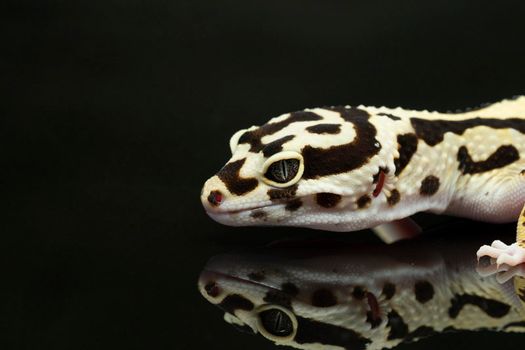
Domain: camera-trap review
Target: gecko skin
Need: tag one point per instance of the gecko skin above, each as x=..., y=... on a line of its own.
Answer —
x=358, y=297
x=350, y=168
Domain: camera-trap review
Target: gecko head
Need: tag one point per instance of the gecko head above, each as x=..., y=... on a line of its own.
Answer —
x=326, y=168
x=304, y=298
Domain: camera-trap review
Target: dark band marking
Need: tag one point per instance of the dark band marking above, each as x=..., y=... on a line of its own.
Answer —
x=339, y=159
x=256, y=276
x=279, y=298
x=327, y=200
x=290, y=289
x=293, y=205
x=229, y=174
x=503, y=156
x=235, y=302
x=389, y=289
x=420, y=332
x=276, y=146
x=311, y=332
x=282, y=193
x=358, y=293
x=324, y=129
x=424, y=291
x=519, y=324
x=258, y=214
x=492, y=308
x=212, y=289
x=363, y=201
x=398, y=327
x=388, y=115
x=394, y=197
x=407, y=148
x=433, y=131
x=254, y=137
x=429, y=185
x=323, y=298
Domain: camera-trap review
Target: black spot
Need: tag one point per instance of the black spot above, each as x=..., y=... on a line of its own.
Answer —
x=276, y=146
x=235, y=302
x=407, y=148
x=254, y=137
x=311, y=332
x=433, y=131
x=279, y=298
x=323, y=298
x=394, y=197
x=342, y=158
x=398, y=327
x=429, y=185
x=293, y=205
x=420, y=332
x=503, y=156
x=325, y=129
x=290, y=289
x=424, y=291
x=363, y=201
x=256, y=276
x=212, y=289
x=522, y=172
x=358, y=293
x=389, y=289
x=493, y=308
x=388, y=115
x=258, y=214
x=282, y=193
x=327, y=200
x=229, y=174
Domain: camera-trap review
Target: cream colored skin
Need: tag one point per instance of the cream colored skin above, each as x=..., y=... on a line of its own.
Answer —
x=497, y=195
x=448, y=270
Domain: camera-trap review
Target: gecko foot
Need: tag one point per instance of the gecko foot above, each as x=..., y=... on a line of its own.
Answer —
x=511, y=255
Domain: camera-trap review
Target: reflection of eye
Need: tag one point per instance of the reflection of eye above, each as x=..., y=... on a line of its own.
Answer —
x=282, y=170
x=276, y=322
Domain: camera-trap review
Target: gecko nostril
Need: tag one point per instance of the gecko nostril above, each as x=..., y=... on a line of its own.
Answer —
x=215, y=198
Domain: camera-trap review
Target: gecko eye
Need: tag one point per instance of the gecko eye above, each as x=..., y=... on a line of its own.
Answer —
x=283, y=169
x=276, y=323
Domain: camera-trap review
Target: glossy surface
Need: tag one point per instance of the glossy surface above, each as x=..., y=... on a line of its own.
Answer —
x=114, y=113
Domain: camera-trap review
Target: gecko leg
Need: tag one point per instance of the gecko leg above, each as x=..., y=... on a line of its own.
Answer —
x=511, y=255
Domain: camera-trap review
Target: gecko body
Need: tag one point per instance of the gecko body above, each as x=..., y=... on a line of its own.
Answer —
x=350, y=168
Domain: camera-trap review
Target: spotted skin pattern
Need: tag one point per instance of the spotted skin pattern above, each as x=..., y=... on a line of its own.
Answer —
x=469, y=164
x=352, y=297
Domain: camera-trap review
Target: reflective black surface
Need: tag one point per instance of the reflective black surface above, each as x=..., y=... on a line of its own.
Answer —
x=114, y=113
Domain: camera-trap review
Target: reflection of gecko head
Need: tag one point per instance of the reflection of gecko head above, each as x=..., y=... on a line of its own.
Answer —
x=356, y=297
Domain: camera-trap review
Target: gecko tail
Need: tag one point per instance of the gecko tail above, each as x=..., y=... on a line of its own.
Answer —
x=397, y=230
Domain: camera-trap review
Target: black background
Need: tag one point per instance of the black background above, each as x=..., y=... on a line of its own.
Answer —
x=115, y=112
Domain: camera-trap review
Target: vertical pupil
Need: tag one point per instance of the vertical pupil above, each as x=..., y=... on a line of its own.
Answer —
x=284, y=170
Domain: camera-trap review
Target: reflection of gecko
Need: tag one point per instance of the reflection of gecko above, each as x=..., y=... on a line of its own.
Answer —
x=350, y=168
x=360, y=297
